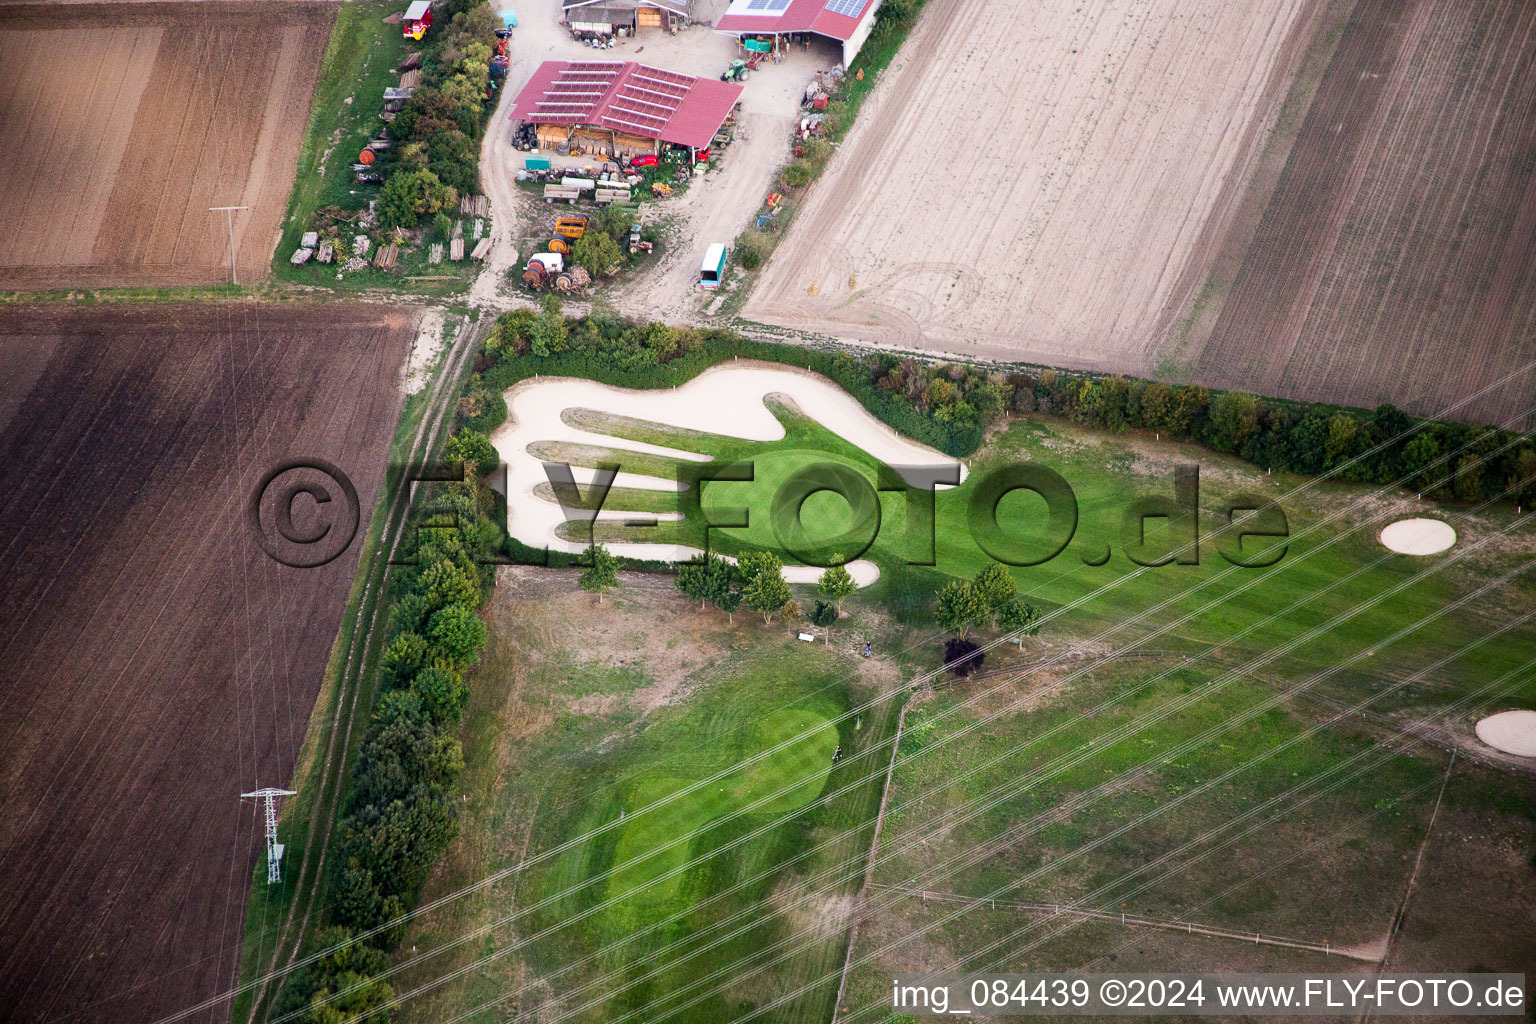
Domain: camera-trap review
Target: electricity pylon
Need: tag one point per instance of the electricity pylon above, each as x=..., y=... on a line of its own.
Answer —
x=274, y=848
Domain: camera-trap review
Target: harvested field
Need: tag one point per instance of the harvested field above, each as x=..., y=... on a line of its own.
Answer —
x=129, y=121
x=1397, y=259
x=156, y=663
x=1037, y=182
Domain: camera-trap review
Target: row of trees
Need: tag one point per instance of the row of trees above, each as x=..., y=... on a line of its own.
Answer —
x=400, y=815
x=1376, y=447
x=951, y=405
x=990, y=599
x=755, y=580
x=436, y=153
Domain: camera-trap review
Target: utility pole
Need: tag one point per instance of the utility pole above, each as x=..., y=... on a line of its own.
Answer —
x=229, y=217
x=274, y=848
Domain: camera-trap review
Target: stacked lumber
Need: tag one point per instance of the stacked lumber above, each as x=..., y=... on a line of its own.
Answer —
x=300, y=256
x=456, y=249
x=411, y=79
x=435, y=254
x=475, y=206
x=482, y=249
x=387, y=257
x=412, y=61
x=327, y=251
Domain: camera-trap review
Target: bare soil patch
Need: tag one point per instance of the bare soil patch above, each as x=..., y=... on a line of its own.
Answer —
x=1474, y=908
x=127, y=122
x=1397, y=258
x=156, y=662
x=1036, y=182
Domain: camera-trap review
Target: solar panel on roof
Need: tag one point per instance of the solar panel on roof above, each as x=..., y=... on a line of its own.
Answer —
x=850, y=8
x=767, y=6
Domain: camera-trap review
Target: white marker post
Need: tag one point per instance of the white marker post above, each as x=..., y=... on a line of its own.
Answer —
x=229, y=217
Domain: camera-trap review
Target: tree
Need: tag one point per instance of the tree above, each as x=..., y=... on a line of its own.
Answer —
x=836, y=583
x=473, y=450
x=705, y=577
x=728, y=601
x=1525, y=477
x=1234, y=418
x=1020, y=618
x=445, y=581
x=1342, y=431
x=458, y=633
x=350, y=965
x=407, y=195
x=405, y=654
x=597, y=251
x=1417, y=457
x=601, y=573
x=767, y=593
x=994, y=585
x=754, y=563
x=442, y=692
x=960, y=607
x=693, y=578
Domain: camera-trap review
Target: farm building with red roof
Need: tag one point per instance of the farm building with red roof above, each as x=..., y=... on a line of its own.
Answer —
x=622, y=108
x=848, y=22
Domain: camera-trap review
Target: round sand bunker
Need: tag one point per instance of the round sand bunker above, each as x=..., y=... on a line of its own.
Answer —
x=1418, y=536
x=1513, y=732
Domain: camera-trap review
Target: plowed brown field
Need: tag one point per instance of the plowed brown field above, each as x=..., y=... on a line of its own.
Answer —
x=125, y=123
x=1397, y=259
x=155, y=663
x=1035, y=180
x=1322, y=199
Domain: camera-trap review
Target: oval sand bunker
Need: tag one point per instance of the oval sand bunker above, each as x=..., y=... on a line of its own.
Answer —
x=1418, y=536
x=1513, y=732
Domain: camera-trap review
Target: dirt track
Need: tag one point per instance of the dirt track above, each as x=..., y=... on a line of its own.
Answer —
x=156, y=663
x=1035, y=182
x=130, y=121
x=1398, y=258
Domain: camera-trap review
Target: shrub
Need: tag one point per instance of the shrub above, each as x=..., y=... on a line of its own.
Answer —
x=473, y=450
x=796, y=175
x=824, y=614
x=598, y=252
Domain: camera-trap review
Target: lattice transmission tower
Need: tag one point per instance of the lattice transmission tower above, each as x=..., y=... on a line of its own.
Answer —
x=270, y=797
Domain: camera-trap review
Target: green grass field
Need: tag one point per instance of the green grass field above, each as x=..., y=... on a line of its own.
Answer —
x=568, y=740
x=1333, y=572
x=1203, y=732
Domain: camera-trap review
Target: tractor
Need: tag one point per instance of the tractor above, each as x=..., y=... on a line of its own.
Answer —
x=737, y=72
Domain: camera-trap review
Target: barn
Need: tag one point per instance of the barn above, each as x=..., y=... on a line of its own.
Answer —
x=609, y=17
x=622, y=109
x=845, y=22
